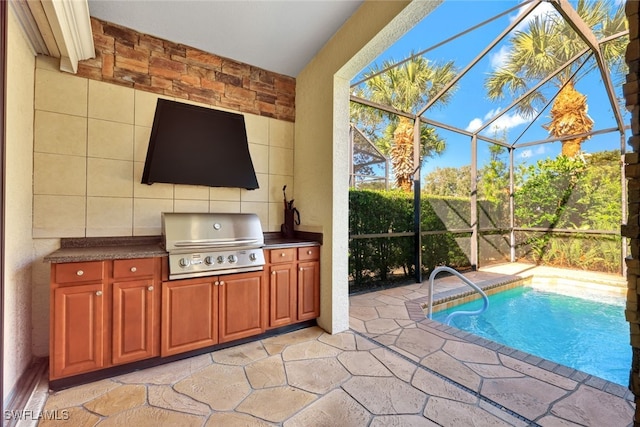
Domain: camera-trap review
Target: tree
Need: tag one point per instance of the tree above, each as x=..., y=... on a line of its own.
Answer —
x=547, y=43
x=407, y=88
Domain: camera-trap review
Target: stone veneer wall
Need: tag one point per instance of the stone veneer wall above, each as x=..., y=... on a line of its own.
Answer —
x=126, y=57
x=632, y=228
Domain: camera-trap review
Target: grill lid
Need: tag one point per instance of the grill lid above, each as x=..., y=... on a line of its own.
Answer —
x=194, y=231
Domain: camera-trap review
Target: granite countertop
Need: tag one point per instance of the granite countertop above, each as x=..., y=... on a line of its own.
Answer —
x=106, y=248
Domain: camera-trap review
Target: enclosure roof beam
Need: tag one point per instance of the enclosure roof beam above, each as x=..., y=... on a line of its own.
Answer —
x=563, y=138
x=369, y=142
x=571, y=16
x=486, y=50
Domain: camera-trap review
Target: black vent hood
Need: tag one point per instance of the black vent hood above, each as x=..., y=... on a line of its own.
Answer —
x=195, y=145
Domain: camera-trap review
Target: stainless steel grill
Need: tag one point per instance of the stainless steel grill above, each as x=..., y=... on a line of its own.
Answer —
x=206, y=244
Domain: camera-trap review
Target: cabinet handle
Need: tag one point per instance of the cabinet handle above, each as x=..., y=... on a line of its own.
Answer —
x=221, y=283
x=133, y=269
x=300, y=268
x=79, y=272
x=99, y=293
x=273, y=272
x=282, y=254
x=150, y=288
x=309, y=252
x=216, y=283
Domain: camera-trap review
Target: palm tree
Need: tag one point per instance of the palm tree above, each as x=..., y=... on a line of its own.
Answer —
x=406, y=88
x=547, y=43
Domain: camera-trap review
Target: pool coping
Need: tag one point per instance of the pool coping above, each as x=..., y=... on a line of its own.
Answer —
x=416, y=314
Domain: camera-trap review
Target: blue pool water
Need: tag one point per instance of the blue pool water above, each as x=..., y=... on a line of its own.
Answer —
x=590, y=335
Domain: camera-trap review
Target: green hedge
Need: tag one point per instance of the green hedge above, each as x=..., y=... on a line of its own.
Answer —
x=383, y=259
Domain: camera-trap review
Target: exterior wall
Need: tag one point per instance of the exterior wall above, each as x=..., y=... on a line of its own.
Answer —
x=89, y=145
x=322, y=134
x=632, y=228
x=128, y=58
x=18, y=169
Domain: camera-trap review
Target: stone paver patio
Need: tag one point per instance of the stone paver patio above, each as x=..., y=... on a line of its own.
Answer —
x=393, y=368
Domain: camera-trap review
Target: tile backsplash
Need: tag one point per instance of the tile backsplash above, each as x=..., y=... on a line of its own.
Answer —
x=90, y=143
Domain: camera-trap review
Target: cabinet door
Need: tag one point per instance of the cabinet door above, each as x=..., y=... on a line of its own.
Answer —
x=240, y=306
x=282, y=295
x=308, y=290
x=77, y=329
x=189, y=315
x=134, y=311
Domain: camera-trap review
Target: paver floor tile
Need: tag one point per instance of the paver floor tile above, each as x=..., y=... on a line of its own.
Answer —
x=467, y=352
x=309, y=350
x=163, y=396
x=539, y=373
x=364, y=313
x=267, y=372
x=78, y=395
x=448, y=413
x=381, y=326
x=316, y=375
x=118, y=399
x=72, y=417
x=528, y=397
x=385, y=396
x=401, y=421
x=552, y=421
x=167, y=374
x=494, y=371
x=400, y=367
x=453, y=369
x=334, y=409
x=419, y=342
x=343, y=341
x=436, y=386
x=240, y=355
x=147, y=416
x=232, y=419
x=590, y=407
x=393, y=312
x=363, y=363
x=276, y=404
x=221, y=387
x=302, y=335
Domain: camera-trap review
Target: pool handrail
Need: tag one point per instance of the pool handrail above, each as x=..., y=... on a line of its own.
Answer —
x=432, y=277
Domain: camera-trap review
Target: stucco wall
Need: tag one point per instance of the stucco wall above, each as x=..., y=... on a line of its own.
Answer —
x=322, y=133
x=18, y=169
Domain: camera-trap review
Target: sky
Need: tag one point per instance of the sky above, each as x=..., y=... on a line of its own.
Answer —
x=469, y=106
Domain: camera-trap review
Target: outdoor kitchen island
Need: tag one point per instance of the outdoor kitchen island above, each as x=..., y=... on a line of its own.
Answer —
x=113, y=308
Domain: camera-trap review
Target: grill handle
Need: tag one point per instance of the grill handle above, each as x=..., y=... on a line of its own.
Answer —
x=214, y=243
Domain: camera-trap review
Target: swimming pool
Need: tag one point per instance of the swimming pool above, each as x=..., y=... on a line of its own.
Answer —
x=589, y=334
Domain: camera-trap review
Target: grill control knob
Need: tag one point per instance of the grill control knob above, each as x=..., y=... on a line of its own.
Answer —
x=184, y=262
x=233, y=259
x=220, y=259
x=252, y=256
x=208, y=260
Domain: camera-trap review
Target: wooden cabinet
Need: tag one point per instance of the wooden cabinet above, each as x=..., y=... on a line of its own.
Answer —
x=294, y=285
x=78, y=325
x=189, y=315
x=282, y=287
x=198, y=313
x=113, y=312
x=103, y=313
x=135, y=310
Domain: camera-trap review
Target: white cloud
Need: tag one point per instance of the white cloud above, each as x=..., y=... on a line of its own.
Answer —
x=504, y=122
x=526, y=154
x=544, y=8
x=473, y=125
x=499, y=58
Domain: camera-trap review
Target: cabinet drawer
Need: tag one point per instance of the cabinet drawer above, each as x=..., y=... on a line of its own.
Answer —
x=136, y=267
x=75, y=272
x=308, y=253
x=282, y=255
